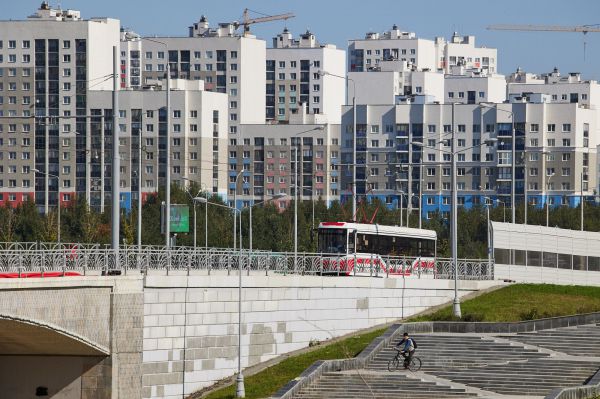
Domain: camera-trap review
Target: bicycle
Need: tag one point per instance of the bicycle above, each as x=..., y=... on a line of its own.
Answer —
x=396, y=361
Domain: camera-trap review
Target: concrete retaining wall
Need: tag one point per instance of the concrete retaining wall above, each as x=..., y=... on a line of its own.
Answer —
x=280, y=314
x=531, y=274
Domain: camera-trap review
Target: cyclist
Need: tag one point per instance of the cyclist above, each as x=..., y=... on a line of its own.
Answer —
x=406, y=347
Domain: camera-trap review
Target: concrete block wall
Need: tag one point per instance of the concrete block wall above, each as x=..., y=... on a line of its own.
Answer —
x=191, y=323
x=545, y=275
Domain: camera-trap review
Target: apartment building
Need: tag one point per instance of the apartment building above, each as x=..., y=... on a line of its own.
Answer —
x=461, y=51
x=300, y=71
x=395, y=44
x=47, y=64
x=226, y=61
x=555, y=144
x=197, y=134
x=265, y=158
x=434, y=55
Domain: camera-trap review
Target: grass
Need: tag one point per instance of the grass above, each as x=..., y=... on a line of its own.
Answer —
x=524, y=302
x=516, y=302
x=270, y=380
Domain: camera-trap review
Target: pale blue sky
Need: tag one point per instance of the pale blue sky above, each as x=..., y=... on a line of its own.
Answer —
x=337, y=21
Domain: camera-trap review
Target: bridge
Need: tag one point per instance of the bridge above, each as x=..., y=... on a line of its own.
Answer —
x=155, y=323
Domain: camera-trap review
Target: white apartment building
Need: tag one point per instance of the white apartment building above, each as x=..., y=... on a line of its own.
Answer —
x=197, y=134
x=461, y=51
x=555, y=147
x=47, y=65
x=569, y=88
x=366, y=54
x=393, y=82
x=226, y=61
x=294, y=79
x=473, y=87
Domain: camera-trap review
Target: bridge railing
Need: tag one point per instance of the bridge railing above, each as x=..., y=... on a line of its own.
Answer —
x=96, y=259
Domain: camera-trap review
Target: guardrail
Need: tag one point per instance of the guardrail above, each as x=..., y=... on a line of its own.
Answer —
x=94, y=259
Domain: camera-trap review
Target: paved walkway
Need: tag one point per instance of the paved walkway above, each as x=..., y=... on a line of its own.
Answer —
x=500, y=366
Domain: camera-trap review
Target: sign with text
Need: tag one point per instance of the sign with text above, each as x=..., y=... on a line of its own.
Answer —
x=180, y=218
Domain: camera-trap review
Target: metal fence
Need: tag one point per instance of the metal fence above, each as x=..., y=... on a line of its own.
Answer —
x=96, y=259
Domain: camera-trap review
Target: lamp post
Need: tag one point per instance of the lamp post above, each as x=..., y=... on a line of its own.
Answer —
x=489, y=238
x=454, y=218
x=500, y=202
x=325, y=73
x=274, y=198
x=240, y=389
x=581, y=201
x=58, y=186
x=116, y=159
x=235, y=206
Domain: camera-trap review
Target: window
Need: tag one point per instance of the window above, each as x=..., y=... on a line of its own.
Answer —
x=566, y=127
x=534, y=128
x=551, y=127
x=551, y=143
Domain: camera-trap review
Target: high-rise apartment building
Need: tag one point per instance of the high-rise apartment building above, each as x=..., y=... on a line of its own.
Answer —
x=555, y=145
x=297, y=76
x=197, y=134
x=228, y=62
x=47, y=64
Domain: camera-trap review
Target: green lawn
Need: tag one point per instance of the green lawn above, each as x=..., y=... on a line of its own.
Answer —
x=524, y=302
x=512, y=303
x=268, y=381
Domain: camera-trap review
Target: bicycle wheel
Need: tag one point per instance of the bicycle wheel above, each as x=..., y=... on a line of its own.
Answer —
x=393, y=364
x=415, y=364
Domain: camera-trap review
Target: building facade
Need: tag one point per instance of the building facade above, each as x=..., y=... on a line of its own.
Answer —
x=226, y=61
x=198, y=135
x=554, y=144
x=295, y=78
x=275, y=159
x=47, y=63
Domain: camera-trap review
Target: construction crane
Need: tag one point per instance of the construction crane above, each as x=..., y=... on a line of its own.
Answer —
x=247, y=21
x=550, y=28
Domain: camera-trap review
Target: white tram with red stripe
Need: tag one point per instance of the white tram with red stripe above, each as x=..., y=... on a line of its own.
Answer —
x=358, y=248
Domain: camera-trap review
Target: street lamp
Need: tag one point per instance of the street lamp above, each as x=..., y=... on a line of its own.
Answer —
x=454, y=219
x=325, y=73
x=273, y=198
x=240, y=390
x=500, y=202
x=194, y=199
x=58, y=185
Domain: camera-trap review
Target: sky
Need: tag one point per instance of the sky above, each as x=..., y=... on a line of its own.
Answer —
x=337, y=21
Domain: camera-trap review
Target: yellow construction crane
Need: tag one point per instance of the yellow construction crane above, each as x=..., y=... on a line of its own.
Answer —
x=550, y=28
x=247, y=21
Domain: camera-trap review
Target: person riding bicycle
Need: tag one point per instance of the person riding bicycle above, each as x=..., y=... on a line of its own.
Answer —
x=406, y=347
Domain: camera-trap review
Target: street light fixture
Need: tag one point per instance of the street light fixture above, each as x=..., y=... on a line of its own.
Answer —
x=500, y=202
x=240, y=390
x=273, y=198
x=454, y=219
x=58, y=185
